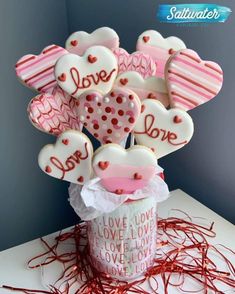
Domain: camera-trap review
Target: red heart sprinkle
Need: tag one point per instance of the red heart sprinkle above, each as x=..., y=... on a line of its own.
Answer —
x=74, y=43
x=171, y=51
x=80, y=179
x=91, y=58
x=103, y=164
x=65, y=141
x=124, y=81
x=62, y=77
x=146, y=39
x=48, y=169
x=151, y=96
x=119, y=191
x=137, y=176
x=177, y=119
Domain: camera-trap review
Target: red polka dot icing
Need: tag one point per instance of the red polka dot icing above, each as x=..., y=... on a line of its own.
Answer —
x=111, y=117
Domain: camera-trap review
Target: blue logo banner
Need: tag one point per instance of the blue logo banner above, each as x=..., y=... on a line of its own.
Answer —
x=183, y=13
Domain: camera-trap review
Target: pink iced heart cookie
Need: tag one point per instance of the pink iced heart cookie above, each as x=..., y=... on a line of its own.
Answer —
x=124, y=171
x=54, y=113
x=151, y=87
x=37, y=71
x=137, y=61
x=95, y=70
x=192, y=81
x=160, y=49
x=164, y=131
x=79, y=42
x=69, y=159
x=109, y=118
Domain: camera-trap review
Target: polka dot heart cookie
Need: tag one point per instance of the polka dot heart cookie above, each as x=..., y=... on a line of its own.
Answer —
x=109, y=118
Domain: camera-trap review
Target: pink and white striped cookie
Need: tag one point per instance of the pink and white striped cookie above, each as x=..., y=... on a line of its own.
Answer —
x=37, y=71
x=80, y=41
x=192, y=81
x=137, y=61
x=54, y=113
x=159, y=48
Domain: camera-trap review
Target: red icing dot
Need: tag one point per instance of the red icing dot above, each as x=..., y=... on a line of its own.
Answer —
x=131, y=120
x=88, y=117
x=104, y=117
x=112, y=94
x=96, y=135
x=108, y=109
x=90, y=109
x=109, y=131
x=89, y=97
x=131, y=97
x=114, y=121
x=99, y=104
x=96, y=126
x=119, y=100
x=127, y=130
x=120, y=112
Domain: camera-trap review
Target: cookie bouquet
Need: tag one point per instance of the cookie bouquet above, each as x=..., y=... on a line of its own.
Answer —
x=135, y=106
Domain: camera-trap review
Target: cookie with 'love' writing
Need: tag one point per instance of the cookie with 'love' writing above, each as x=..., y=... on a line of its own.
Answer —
x=69, y=158
x=95, y=70
x=124, y=171
x=162, y=130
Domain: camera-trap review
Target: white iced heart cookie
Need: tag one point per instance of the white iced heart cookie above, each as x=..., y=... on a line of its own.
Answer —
x=151, y=87
x=164, y=131
x=80, y=41
x=159, y=48
x=69, y=159
x=124, y=171
x=95, y=70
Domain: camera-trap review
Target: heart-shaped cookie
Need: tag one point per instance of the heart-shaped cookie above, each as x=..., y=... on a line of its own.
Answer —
x=164, y=131
x=109, y=118
x=160, y=49
x=54, y=113
x=137, y=61
x=69, y=159
x=151, y=87
x=79, y=42
x=95, y=70
x=192, y=81
x=37, y=71
x=123, y=171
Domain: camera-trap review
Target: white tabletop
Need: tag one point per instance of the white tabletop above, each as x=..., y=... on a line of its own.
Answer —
x=13, y=262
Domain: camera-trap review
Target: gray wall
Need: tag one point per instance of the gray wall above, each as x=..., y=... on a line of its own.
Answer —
x=32, y=204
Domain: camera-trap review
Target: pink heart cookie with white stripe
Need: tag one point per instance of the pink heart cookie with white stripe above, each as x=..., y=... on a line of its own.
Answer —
x=80, y=41
x=37, y=71
x=192, y=81
x=159, y=48
x=124, y=171
x=137, y=61
x=109, y=118
x=54, y=113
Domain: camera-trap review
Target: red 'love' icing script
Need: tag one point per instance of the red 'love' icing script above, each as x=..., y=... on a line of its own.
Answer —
x=86, y=81
x=163, y=135
x=70, y=162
